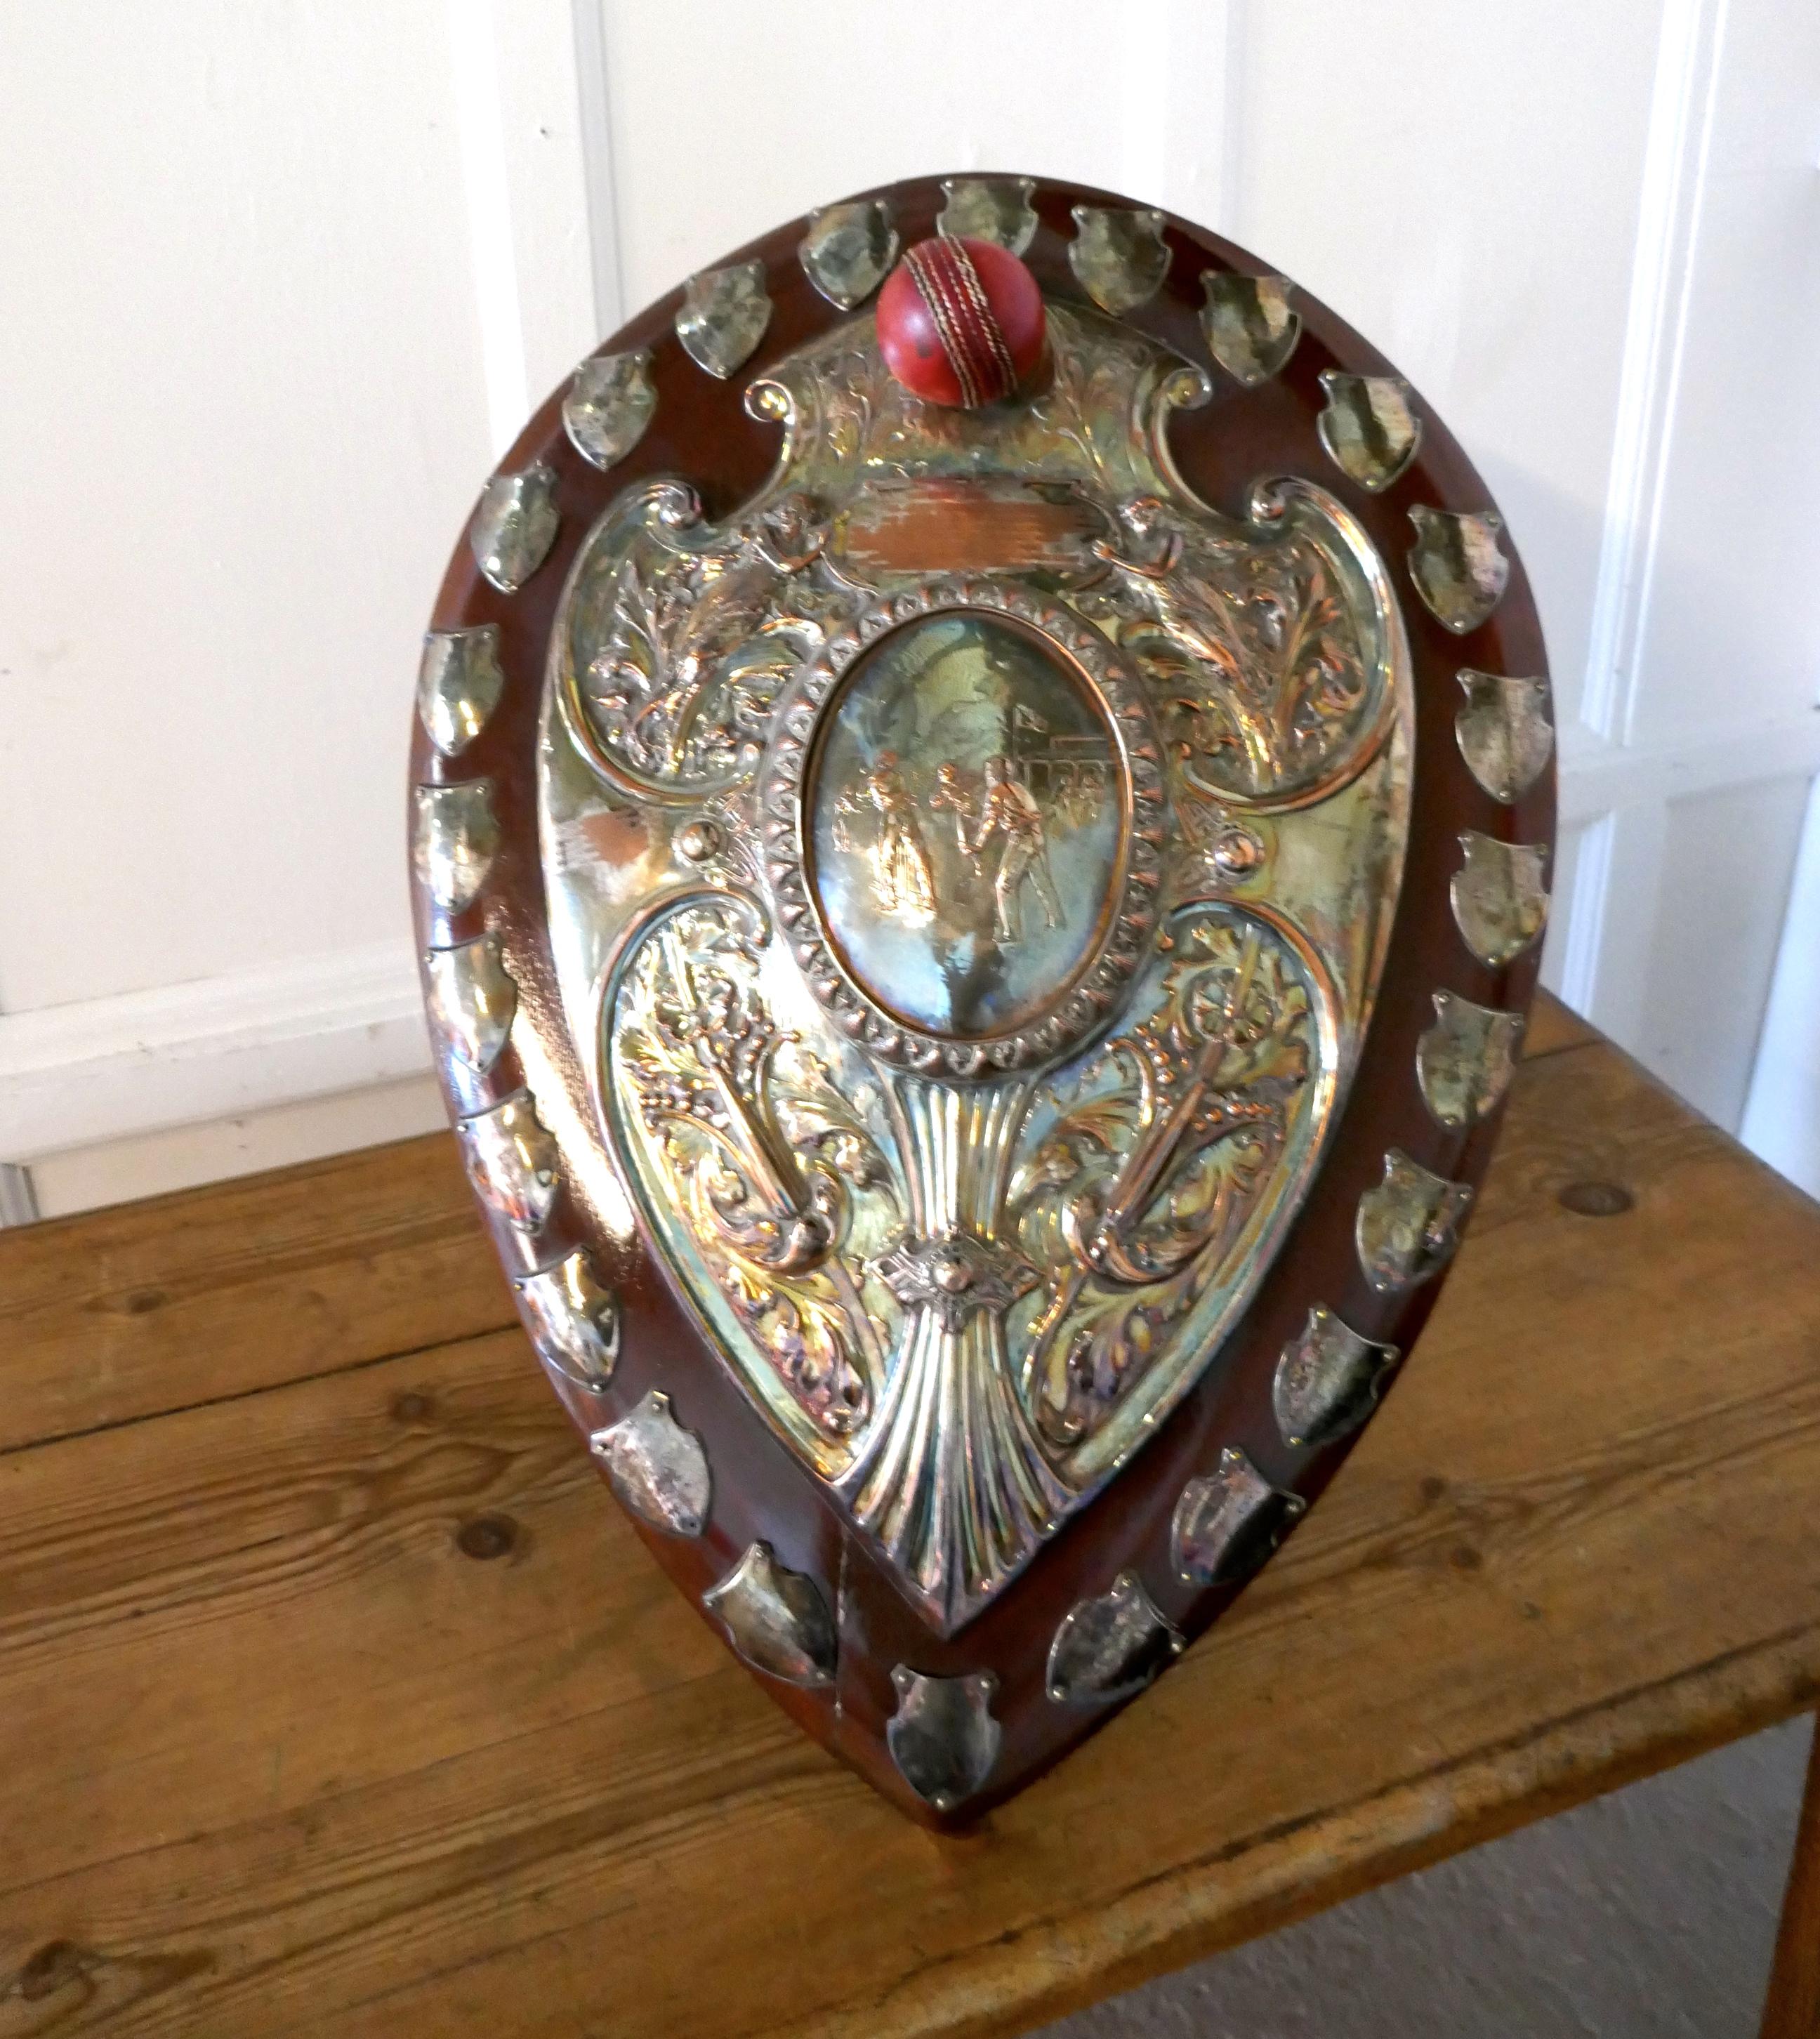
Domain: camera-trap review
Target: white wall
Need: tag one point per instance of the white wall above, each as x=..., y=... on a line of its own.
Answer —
x=282, y=277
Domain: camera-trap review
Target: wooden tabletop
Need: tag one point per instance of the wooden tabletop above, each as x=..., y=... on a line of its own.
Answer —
x=335, y=1697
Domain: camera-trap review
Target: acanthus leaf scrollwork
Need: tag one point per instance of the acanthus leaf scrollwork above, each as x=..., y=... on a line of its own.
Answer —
x=684, y=633
x=765, y=1156
x=962, y=1282
x=1137, y=1193
x=1263, y=688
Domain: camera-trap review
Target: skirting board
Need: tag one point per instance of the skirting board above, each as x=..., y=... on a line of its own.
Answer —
x=111, y=1068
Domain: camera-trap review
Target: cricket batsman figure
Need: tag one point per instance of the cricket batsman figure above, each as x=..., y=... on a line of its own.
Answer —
x=1009, y=808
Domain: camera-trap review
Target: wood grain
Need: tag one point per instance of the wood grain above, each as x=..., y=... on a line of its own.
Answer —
x=128, y=1312
x=281, y=1757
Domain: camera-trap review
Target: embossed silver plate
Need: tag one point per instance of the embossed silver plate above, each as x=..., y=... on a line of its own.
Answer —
x=907, y=900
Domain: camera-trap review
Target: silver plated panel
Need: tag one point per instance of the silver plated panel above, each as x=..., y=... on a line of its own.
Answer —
x=778, y=1619
x=515, y=526
x=1118, y=255
x=454, y=838
x=657, y=1467
x=575, y=1321
x=1500, y=902
x=512, y=1161
x=723, y=317
x=1228, y=1521
x=1457, y=566
x=1112, y=1645
x=1464, y=1062
x=996, y=209
x=459, y=683
x=1368, y=428
x=1504, y=732
x=943, y=1737
x=1408, y=1226
x=471, y=999
x=1248, y=324
x=609, y=405
x=849, y=250
x=835, y=1046
x=1327, y=1380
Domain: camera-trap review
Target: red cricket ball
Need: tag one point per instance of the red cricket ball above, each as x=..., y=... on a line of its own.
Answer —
x=960, y=322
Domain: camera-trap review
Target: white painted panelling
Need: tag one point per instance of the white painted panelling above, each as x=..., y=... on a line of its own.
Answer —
x=244, y=422
x=1564, y=962
x=527, y=182
x=726, y=120
x=184, y=1156
x=1782, y=1116
x=1732, y=634
x=115, y=1067
x=1726, y=860
x=1462, y=184
x=1671, y=185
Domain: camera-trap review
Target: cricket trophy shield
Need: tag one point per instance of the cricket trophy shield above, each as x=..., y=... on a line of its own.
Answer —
x=982, y=808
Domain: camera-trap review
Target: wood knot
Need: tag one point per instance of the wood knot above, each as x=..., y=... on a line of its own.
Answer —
x=487, y=1536
x=1596, y=1199
x=412, y=1406
x=54, y=1964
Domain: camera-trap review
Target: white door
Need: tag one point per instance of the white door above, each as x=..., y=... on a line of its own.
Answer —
x=282, y=278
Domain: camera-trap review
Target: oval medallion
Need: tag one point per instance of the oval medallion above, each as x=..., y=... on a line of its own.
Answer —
x=966, y=809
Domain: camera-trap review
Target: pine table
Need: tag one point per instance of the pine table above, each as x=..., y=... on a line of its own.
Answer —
x=335, y=1697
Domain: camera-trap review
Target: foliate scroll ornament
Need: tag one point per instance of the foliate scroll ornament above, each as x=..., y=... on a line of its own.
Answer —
x=1327, y=1380
x=762, y=1160
x=1248, y=325
x=682, y=634
x=1228, y=1521
x=1504, y=732
x=1408, y=1225
x=1267, y=685
x=1158, y=1156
